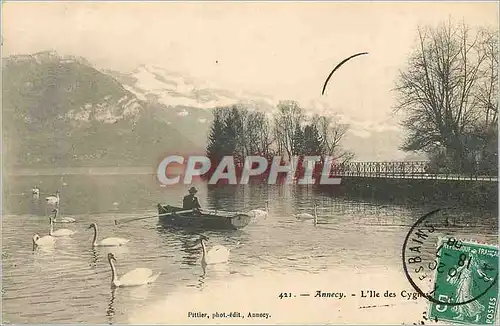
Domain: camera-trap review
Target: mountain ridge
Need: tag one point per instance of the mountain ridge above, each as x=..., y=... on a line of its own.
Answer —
x=60, y=111
x=386, y=136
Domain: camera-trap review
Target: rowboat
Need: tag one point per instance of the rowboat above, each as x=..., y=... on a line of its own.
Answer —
x=202, y=219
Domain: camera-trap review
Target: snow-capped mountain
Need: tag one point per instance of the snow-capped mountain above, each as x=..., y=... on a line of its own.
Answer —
x=170, y=88
x=184, y=100
x=59, y=109
x=108, y=111
x=175, y=89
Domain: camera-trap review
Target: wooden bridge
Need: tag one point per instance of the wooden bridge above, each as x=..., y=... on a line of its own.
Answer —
x=403, y=170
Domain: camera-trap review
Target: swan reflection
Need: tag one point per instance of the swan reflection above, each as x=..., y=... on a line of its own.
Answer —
x=219, y=269
x=35, y=204
x=43, y=252
x=201, y=279
x=215, y=273
x=191, y=250
x=95, y=257
x=110, y=313
x=43, y=259
x=139, y=293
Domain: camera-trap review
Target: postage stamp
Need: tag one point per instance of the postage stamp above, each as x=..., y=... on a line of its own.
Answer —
x=466, y=277
x=458, y=277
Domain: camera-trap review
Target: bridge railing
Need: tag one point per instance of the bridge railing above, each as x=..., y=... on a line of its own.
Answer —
x=402, y=170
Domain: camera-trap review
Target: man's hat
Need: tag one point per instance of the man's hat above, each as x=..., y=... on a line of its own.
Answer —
x=192, y=190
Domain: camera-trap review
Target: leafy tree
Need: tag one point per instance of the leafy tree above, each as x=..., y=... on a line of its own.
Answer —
x=312, y=141
x=221, y=140
x=298, y=140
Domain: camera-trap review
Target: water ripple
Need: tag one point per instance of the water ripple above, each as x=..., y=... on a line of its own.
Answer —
x=72, y=282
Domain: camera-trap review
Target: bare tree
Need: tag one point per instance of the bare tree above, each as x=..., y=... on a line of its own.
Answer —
x=288, y=116
x=245, y=132
x=238, y=117
x=486, y=92
x=279, y=137
x=438, y=90
x=259, y=130
x=332, y=133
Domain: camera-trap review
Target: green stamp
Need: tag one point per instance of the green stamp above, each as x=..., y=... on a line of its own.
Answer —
x=466, y=278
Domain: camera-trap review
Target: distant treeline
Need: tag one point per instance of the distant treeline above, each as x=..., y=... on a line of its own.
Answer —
x=239, y=132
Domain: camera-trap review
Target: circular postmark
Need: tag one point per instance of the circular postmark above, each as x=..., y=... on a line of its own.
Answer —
x=445, y=269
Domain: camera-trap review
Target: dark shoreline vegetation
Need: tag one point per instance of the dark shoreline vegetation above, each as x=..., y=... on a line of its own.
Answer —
x=315, y=171
x=439, y=193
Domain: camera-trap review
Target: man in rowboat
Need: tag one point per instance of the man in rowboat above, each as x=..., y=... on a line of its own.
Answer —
x=191, y=201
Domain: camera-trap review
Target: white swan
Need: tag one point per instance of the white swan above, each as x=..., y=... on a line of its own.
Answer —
x=59, y=232
x=54, y=199
x=44, y=241
x=307, y=216
x=216, y=255
x=35, y=191
x=136, y=277
x=63, y=219
x=257, y=213
x=107, y=242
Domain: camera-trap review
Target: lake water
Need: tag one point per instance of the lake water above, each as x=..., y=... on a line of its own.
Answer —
x=355, y=246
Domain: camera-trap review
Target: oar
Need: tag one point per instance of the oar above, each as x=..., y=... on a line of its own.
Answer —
x=126, y=220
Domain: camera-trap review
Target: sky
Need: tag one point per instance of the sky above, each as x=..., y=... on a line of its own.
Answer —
x=284, y=49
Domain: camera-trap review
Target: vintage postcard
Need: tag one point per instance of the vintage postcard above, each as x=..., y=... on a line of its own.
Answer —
x=198, y=162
